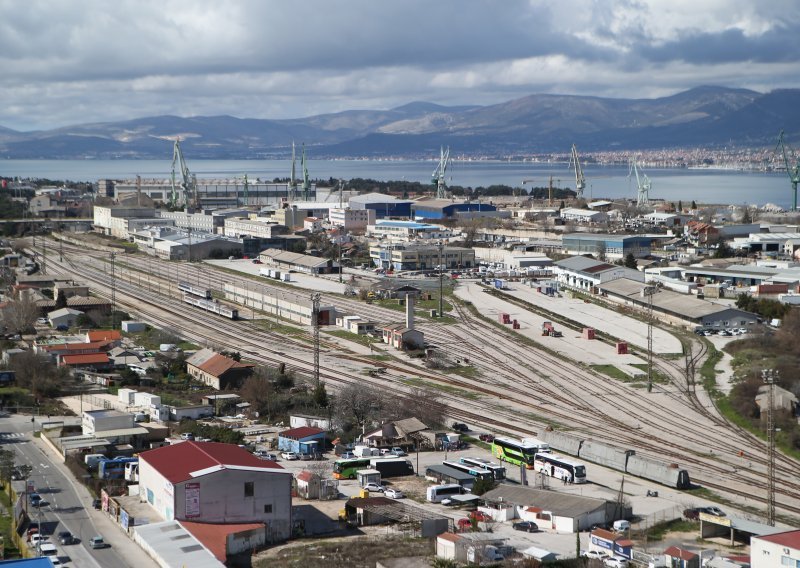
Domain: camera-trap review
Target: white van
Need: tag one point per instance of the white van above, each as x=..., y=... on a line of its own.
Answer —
x=621, y=526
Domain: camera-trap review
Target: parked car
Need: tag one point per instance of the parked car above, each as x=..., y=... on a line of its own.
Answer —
x=97, y=504
x=37, y=538
x=35, y=499
x=464, y=524
x=486, y=437
x=187, y=436
x=97, y=542
x=460, y=427
x=66, y=538
x=290, y=456
x=615, y=562
x=374, y=487
x=692, y=514
x=596, y=554
x=269, y=456
x=480, y=516
x=526, y=526
x=393, y=493
x=397, y=452
x=714, y=511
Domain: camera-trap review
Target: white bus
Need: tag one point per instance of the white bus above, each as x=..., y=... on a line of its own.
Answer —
x=541, y=447
x=559, y=466
x=498, y=471
x=438, y=492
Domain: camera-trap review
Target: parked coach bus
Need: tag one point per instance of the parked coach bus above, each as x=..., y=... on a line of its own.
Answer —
x=436, y=493
x=514, y=451
x=560, y=467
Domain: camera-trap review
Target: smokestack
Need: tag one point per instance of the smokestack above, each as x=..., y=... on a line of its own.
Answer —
x=409, y=311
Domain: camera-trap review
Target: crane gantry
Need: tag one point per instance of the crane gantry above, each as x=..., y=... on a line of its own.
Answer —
x=642, y=183
x=188, y=182
x=793, y=171
x=580, y=180
x=438, y=176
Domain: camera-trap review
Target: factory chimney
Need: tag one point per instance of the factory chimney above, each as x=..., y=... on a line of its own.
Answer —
x=410, y=311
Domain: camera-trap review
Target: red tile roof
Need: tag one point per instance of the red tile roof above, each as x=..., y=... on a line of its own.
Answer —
x=104, y=334
x=93, y=346
x=177, y=462
x=604, y=534
x=84, y=359
x=219, y=364
x=301, y=432
x=214, y=536
x=449, y=537
x=681, y=553
x=790, y=539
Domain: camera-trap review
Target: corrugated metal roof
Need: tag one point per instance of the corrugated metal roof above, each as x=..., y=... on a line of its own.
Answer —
x=559, y=503
x=175, y=545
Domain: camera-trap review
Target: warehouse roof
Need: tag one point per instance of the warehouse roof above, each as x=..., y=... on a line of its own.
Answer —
x=85, y=359
x=559, y=503
x=301, y=432
x=278, y=255
x=377, y=198
x=176, y=545
x=584, y=264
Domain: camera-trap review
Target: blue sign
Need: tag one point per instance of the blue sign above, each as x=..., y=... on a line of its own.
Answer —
x=602, y=543
x=622, y=550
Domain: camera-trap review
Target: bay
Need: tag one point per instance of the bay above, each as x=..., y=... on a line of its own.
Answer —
x=717, y=186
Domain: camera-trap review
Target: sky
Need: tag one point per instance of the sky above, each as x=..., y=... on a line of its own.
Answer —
x=66, y=62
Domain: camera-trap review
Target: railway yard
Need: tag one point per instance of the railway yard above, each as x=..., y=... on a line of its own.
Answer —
x=518, y=384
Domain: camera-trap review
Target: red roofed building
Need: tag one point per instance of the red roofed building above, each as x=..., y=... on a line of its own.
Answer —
x=209, y=482
x=227, y=540
x=681, y=558
x=95, y=361
x=302, y=440
x=110, y=335
x=217, y=370
x=780, y=549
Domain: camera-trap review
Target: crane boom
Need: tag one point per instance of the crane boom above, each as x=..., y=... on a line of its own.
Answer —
x=306, y=184
x=293, y=178
x=580, y=180
x=188, y=183
x=792, y=171
x=643, y=184
x=438, y=177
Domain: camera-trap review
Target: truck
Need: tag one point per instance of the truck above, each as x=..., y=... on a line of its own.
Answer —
x=91, y=460
x=365, y=451
x=392, y=467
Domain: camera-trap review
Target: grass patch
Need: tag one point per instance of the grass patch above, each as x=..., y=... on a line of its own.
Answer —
x=279, y=327
x=476, y=442
x=9, y=549
x=354, y=552
x=659, y=531
x=658, y=377
x=613, y=372
x=354, y=337
x=449, y=389
x=379, y=357
x=466, y=371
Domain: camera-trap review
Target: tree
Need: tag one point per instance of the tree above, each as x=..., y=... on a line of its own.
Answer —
x=630, y=261
x=320, y=395
x=38, y=374
x=482, y=485
x=680, y=206
x=6, y=468
x=257, y=389
x=61, y=300
x=20, y=314
x=694, y=205
x=357, y=405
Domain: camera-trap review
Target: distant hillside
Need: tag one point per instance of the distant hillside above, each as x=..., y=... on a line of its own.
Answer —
x=705, y=116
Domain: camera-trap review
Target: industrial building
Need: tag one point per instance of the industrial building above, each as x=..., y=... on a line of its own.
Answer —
x=210, y=482
x=286, y=260
x=421, y=257
x=582, y=216
x=404, y=336
x=302, y=440
x=385, y=206
x=170, y=243
x=259, y=227
x=351, y=219
x=584, y=273
x=605, y=245
x=445, y=209
x=282, y=304
x=407, y=231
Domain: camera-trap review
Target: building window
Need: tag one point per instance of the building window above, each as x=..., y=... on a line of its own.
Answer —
x=268, y=508
x=249, y=490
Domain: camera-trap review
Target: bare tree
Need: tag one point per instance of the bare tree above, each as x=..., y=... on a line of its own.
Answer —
x=358, y=404
x=259, y=391
x=38, y=373
x=20, y=313
x=422, y=403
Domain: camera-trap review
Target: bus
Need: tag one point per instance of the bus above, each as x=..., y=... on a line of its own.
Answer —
x=514, y=451
x=498, y=471
x=477, y=472
x=541, y=447
x=438, y=492
x=346, y=469
x=560, y=467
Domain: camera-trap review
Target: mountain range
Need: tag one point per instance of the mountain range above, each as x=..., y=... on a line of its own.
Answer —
x=708, y=117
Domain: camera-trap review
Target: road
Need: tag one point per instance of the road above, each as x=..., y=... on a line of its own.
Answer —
x=67, y=504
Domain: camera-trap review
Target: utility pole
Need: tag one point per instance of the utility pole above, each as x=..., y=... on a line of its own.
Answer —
x=649, y=291
x=44, y=254
x=113, y=291
x=441, y=285
x=315, y=323
x=770, y=376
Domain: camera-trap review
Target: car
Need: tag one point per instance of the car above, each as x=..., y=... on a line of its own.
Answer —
x=374, y=487
x=595, y=554
x=460, y=427
x=393, y=493
x=35, y=499
x=269, y=456
x=37, y=539
x=306, y=457
x=615, y=562
x=97, y=504
x=49, y=550
x=397, y=452
x=480, y=516
x=692, y=514
x=290, y=456
x=486, y=437
x=187, y=436
x=526, y=526
x=714, y=511
x=66, y=538
x=347, y=456
x=464, y=524
x=43, y=321
x=97, y=542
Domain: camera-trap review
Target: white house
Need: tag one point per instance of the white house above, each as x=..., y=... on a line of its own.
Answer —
x=63, y=317
x=781, y=549
x=210, y=482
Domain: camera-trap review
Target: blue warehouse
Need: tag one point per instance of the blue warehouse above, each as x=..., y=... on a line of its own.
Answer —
x=445, y=209
x=302, y=440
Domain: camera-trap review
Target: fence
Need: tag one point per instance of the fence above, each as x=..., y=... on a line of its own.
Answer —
x=657, y=517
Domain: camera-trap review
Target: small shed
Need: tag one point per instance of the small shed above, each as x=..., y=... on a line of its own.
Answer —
x=681, y=558
x=303, y=440
x=308, y=484
x=539, y=554
x=365, y=476
x=64, y=317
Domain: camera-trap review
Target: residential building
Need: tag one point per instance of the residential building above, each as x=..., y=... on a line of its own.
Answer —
x=258, y=227
x=779, y=549
x=217, y=370
x=398, y=433
x=585, y=273
x=209, y=482
x=351, y=219
x=407, y=231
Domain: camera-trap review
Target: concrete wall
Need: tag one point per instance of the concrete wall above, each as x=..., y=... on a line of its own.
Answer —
x=603, y=454
x=562, y=442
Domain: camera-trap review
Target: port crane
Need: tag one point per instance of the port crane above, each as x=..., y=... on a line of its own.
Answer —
x=438, y=176
x=549, y=189
x=580, y=180
x=303, y=165
x=643, y=184
x=293, y=178
x=188, y=182
x=792, y=170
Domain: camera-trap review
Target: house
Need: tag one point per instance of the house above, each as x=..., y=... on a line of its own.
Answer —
x=303, y=440
x=682, y=558
x=298, y=420
x=778, y=549
x=89, y=361
x=64, y=317
x=210, y=482
x=308, y=484
x=585, y=273
x=784, y=400
x=217, y=370
x=113, y=336
x=398, y=433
